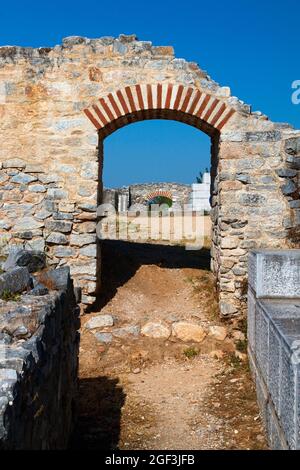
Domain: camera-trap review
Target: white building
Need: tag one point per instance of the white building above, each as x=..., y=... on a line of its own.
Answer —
x=200, y=194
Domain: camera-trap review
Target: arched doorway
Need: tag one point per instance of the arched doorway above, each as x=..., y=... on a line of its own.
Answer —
x=171, y=102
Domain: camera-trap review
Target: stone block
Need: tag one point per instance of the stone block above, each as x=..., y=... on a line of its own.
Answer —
x=16, y=280
x=268, y=136
x=37, y=188
x=56, y=238
x=57, y=194
x=274, y=273
x=14, y=163
x=292, y=146
x=58, y=279
x=99, y=321
x=32, y=260
x=27, y=223
x=286, y=173
x=89, y=250
x=23, y=178
x=82, y=239
x=288, y=188
x=58, y=226
x=64, y=252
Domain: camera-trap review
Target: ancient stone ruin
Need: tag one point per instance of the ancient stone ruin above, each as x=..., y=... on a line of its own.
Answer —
x=195, y=197
x=57, y=105
x=39, y=344
x=62, y=103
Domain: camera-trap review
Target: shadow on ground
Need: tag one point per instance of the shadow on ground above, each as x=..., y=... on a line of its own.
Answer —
x=121, y=260
x=98, y=424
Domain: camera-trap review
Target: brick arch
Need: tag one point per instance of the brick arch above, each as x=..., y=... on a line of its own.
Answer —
x=159, y=101
x=158, y=193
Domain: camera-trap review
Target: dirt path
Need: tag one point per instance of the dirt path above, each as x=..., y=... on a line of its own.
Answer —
x=167, y=392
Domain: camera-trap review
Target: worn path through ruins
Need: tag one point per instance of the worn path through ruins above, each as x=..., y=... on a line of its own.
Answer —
x=189, y=387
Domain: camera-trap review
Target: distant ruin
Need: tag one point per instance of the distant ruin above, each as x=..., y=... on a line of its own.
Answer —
x=196, y=196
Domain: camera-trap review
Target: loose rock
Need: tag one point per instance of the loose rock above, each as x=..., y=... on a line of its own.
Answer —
x=104, y=337
x=189, y=332
x=99, y=321
x=218, y=332
x=155, y=330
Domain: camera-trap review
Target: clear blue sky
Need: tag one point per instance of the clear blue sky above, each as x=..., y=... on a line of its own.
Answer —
x=250, y=45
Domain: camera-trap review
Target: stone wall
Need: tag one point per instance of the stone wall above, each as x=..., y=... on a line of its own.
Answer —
x=37, y=215
x=57, y=105
x=274, y=342
x=38, y=367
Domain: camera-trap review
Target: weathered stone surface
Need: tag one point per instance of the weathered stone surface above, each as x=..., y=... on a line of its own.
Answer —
x=5, y=338
x=85, y=227
x=155, y=330
x=188, y=331
x=99, y=321
x=81, y=240
x=125, y=331
x=49, y=178
x=43, y=214
x=23, y=178
x=229, y=242
x=14, y=163
x=57, y=239
x=58, y=226
x=218, y=332
x=64, y=252
x=274, y=273
x=66, y=206
x=16, y=280
x=62, y=216
x=263, y=136
x=37, y=188
x=87, y=206
x=56, y=279
x=90, y=170
x=103, y=337
x=57, y=194
x=286, y=173
x=28, y=362
x=274, y=339
x=27, y=223
x=86, y=267
x=34, y=168
x=90, y=250
x=227, y=308
x=289, y=187
x=32, y=260
x=37, y=244
x=86, y=216
x=39, y=289
x=292, y=146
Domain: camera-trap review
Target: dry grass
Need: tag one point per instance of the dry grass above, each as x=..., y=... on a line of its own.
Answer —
x=10, y=296
x=205, y=289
